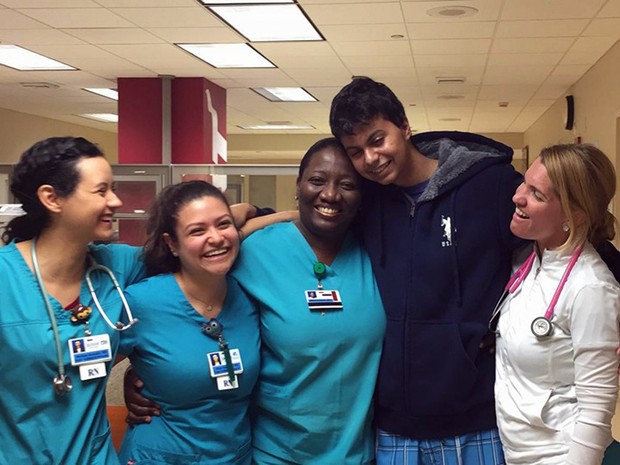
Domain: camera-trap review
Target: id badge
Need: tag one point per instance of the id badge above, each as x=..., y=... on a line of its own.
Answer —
x=323, y=300
x=217, y=363
x=90, y=350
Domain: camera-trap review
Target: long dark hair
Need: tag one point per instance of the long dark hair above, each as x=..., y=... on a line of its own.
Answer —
x=162, y=220
x=51, y=161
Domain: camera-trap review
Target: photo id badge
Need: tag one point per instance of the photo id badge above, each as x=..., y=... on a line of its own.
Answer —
x=217, y=364
x=90, y=350
x=323, y=300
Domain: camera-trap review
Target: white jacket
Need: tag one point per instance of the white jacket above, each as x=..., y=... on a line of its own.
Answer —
x=555, y=396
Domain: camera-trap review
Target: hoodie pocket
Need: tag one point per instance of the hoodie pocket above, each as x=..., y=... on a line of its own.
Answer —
x=439, y=372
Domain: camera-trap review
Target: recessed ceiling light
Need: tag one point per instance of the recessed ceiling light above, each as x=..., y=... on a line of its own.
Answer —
x=274, y=127
x=452, y=11
x=228, y=55
x=242, y=2
x=103, y=91
x=397, y=36
x=449, y=119
x=268, y=23
x=284, y=94
x=105, y=117
x=24, y=60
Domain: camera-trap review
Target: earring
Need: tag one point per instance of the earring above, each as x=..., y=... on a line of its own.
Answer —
x=296, y=197
x=565, y=227
x=174, y=254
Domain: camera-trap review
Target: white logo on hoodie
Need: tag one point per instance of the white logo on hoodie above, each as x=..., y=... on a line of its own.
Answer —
x=446, y=224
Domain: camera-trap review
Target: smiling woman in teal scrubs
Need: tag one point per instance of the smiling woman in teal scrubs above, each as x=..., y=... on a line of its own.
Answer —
x=321, y=326
x=65, y=187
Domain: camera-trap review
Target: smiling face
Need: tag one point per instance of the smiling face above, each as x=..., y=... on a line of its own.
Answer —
x=329, y=194
x=538, y=214
x=207, y=240
x=380, y=151
x=87, y=212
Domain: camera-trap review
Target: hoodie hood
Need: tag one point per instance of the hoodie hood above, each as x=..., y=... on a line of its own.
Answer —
x=457, y=153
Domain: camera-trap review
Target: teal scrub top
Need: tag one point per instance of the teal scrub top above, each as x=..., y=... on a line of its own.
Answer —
x=199, y=424
x=37, y=426
x=313, y=402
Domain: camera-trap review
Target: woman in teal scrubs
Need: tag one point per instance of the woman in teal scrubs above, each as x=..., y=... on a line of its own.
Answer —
x=65, y=187
x=192, y=243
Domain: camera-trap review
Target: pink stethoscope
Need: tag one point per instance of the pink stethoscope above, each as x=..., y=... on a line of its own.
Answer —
x=541, y=326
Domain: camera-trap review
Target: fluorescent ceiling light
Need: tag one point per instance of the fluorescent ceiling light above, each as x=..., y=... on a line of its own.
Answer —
x=268, y=23
x=272, y=127
x=285, y=94
x=105, y=117
x=24, y=60
x=228, y=55
x=103, y=91
x=242, y=2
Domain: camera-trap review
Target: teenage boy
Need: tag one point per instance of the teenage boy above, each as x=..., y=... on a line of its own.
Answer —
x=435, y=222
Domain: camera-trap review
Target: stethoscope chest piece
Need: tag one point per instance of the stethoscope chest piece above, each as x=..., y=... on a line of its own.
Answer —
x=541, y=327
x=62, y=384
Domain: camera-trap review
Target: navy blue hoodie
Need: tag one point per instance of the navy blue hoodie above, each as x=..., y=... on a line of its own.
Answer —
x=441, y=264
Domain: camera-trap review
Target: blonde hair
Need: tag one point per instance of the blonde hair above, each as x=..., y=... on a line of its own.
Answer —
x=585, y=181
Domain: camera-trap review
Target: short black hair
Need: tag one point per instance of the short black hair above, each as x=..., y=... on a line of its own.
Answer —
x=315, y=148
x=361, y=101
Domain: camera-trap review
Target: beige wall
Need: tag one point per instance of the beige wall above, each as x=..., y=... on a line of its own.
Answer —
x=597, y=110
x=18, y=131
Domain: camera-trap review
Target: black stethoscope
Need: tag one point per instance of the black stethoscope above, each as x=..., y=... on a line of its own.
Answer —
x=541, y=326
x=62, y=382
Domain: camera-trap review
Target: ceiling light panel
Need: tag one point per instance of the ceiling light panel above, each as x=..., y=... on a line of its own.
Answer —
x=228, y=55
x=275, y=127
x=24, y=60
x=105, y=117
x=268, y=23
x=242, y=2
x=103, y=91
x=285, y=94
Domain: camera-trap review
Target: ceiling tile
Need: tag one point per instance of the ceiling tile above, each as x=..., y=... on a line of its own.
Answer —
x=25, y=37
x=367, y=13
x=550, y=9
x=450, y=60
x=196, y=16
x=377, y=61
x=10, y=19
x=517, y=74
x=76, y=17
x=604, y=27
x=393, y=47
x=467, y=30
x=362, y=34
x=114, y=36
x=541, y=28
x=198, y=35
x=450, y=46
x=50, y=4
x=587, y=50
x=507, y=59
x=610, y=10
x=537, y=45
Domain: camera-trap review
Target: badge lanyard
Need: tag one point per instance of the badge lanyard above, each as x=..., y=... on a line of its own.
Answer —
x=541, y=326
x=62, y=382
x=319, y=299
x=215, y=330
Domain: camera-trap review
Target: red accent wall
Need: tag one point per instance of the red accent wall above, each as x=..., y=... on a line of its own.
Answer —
x=191, y=119
x=140, y=120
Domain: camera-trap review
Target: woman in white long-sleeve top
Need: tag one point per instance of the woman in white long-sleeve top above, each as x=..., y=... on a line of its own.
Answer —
x=557, y=382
